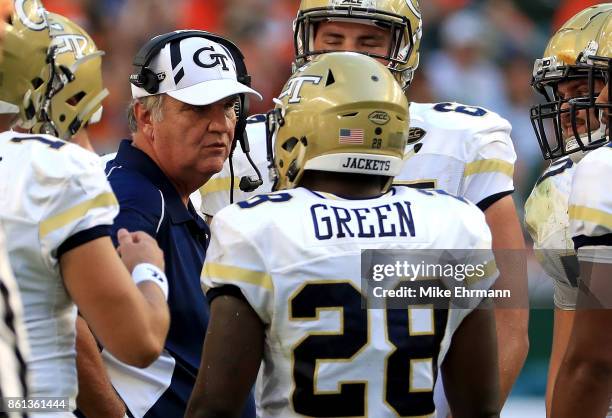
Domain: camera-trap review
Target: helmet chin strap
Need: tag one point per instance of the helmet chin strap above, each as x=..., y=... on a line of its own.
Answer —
x=594, y=135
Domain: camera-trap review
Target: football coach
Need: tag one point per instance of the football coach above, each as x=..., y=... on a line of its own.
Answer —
x=190, y=91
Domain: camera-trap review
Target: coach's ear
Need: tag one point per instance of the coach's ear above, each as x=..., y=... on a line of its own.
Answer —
x=144, y=120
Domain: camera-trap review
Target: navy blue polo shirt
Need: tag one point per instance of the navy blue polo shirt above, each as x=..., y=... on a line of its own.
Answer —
x=149, y=202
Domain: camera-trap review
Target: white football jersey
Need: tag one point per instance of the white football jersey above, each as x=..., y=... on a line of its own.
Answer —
x=296, y=257
x=590, y=209
x=464, y=150
x=50, y=191
x=590, y=206
x=215, y=193
x=13, y=344
x=547, y=222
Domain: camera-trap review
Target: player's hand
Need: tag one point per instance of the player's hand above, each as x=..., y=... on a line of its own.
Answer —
x=138, y=247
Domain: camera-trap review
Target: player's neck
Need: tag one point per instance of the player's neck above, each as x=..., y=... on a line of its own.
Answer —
x=351, y=186
x=82, y=139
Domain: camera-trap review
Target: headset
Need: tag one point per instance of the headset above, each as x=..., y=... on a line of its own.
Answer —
x=148, y=80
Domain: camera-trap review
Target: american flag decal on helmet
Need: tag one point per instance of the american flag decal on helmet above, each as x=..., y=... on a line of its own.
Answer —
x=351, y=136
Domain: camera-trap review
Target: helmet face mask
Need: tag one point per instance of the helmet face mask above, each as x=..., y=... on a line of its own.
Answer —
x=593, y=102
x=74, y=95
x=548, y=118
x=322, y=122
x=401, y=18
x=568, y=123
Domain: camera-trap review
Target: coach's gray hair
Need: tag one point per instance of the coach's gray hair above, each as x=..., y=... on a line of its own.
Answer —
x=151, y=103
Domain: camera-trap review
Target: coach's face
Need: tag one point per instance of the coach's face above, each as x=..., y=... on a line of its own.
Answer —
x=193, y=142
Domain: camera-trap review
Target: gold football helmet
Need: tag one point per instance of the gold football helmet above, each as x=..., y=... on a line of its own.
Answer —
x=25, y=56
x=75, y=98
x=401, y=17
x=574, y=52
x=342, y=112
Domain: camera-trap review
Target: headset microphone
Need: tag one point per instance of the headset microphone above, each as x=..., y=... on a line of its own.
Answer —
x=250, y=183
x=247, y=183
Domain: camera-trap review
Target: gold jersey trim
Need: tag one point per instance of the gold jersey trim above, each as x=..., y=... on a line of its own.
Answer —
x=60, y=220
x=237, y=274
x=596, y=216
x=492, y=165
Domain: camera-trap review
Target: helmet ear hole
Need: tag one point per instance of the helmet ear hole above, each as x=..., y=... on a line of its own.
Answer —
x=292, y=171
x=330, y=78
x=290, y=144
x=75, y=99
x=62, y=118
x=37, y=82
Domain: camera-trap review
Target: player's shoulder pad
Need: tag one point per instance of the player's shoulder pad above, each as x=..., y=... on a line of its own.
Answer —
x=258, y=211
x=564, y=166
x=53, y=158
x=591, y=173
x=256, y=133
x=461, y=131
x=441, y=200
x=467, y=217
x=596, y=161
x=452, y=116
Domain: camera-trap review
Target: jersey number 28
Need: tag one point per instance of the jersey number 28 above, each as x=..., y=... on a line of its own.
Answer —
x=410, y=350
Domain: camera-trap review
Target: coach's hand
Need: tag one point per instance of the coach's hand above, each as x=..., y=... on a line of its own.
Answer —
x=138, y=247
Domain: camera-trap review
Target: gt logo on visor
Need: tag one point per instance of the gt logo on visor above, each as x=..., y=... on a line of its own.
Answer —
x=215, y=58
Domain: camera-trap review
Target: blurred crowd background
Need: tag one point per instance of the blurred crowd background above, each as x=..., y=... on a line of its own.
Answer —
x=478, y=52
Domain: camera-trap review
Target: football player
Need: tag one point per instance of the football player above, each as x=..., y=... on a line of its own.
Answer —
x=561, y=76
x=584, y=384
x=283, y=271
x=68, y=112
x=464, y=150
x=56, y=210
x=13, y=343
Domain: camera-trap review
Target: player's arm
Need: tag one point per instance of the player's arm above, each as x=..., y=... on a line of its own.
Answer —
x=489, y=183
x=97, y=397
x=584, y=383
x=233, y=349
x=470, y=370
x=562, y=329
x=511, y=315
x=130, y=321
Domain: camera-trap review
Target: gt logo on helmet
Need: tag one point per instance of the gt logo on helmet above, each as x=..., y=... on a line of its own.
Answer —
x=67, y=43
x=27, y=10
x=295, y=85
